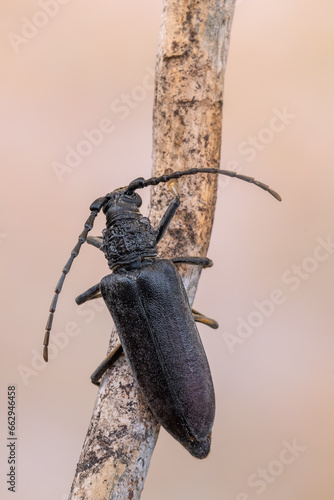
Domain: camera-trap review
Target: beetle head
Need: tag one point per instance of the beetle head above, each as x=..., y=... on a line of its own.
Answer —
x=121, y=204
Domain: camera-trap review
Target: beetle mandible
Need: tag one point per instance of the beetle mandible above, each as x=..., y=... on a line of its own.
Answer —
x=149, y=305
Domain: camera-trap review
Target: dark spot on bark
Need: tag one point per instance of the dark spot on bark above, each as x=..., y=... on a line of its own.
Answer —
x=175, y=46
x=126, y=388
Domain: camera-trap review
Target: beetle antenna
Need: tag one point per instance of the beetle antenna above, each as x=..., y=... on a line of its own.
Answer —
x=153, y=181
x=95, y=208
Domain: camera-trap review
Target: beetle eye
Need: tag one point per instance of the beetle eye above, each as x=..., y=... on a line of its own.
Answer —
x=133, y=198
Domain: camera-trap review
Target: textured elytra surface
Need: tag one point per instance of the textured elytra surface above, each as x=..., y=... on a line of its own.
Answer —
x=164, y=350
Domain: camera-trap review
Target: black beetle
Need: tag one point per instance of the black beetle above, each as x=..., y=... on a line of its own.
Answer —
x=149, y=305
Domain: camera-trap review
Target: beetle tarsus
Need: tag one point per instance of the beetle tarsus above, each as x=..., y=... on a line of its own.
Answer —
x=173, y=188
x=201, y=318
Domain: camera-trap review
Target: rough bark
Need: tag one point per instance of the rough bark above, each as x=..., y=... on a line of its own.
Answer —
x=187, y=119
x=187, y=122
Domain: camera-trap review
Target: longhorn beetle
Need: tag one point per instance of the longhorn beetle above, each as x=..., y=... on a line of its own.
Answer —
x=149, y=305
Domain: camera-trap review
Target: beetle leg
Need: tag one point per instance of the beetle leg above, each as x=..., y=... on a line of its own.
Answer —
x=170, y=212
x=90, y=294
x=200, y=318
x=96, y=241
x=106, y=363
x=167, y=217
x=196, y=261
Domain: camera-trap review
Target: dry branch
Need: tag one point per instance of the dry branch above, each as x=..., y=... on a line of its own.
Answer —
x=187, y=122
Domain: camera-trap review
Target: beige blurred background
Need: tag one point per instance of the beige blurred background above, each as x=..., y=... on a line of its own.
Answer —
x=275, y=386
